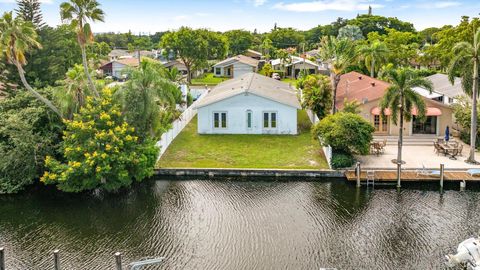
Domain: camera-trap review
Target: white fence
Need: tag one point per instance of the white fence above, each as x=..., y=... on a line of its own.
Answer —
x=177, y=126
x=326, y=149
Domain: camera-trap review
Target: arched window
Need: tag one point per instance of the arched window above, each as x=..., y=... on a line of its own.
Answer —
x=249, y=119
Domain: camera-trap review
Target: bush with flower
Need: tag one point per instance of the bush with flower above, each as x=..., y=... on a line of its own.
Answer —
x=101, y=150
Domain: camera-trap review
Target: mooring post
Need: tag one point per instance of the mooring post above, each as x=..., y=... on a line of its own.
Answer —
x=2, y=258
x=359, y=172
x=56, y=259
x=442, y=175
x=118, y=260
x=463, y=185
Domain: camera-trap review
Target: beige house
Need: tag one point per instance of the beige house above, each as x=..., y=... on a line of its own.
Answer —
x=235, y=67
x=369, y=92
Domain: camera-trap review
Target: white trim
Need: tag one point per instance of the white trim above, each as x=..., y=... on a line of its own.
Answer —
x=251, y=119
x=220, y=120
x=269, y=120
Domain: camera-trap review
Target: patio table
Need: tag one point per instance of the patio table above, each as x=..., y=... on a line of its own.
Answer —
x=449, y=150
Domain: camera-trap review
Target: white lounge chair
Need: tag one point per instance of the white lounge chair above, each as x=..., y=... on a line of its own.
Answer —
x=425, y=172
x=474, y=172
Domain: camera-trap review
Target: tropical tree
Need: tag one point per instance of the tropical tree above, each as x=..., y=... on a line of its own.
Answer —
x=400, y=99
x=148, y=101
x=17, y=37
x=339, y=54
x=351, y=32
x=29, y=11
x=373, y=54
x=316, y=94
x=173, y=75
x=239, y=41
x=466, y=62
x=79, y=13
x=285, y=58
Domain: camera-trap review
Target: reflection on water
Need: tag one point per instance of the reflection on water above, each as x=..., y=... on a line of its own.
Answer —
x=240, y=225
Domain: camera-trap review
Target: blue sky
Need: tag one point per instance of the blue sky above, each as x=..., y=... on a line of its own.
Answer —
x=149, y=16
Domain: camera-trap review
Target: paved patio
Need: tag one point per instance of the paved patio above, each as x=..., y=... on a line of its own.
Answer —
x=415, y=156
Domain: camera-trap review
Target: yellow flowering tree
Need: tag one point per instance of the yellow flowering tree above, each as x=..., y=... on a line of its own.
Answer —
x=101, y=151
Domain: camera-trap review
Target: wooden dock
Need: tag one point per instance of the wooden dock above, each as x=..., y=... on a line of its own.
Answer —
x=412, y=176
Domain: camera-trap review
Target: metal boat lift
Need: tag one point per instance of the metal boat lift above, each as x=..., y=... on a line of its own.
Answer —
x=138, y=265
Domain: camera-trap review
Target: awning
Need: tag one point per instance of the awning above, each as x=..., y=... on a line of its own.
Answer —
x=431, y=111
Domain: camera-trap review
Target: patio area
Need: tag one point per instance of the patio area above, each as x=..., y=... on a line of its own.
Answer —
x=415, y=157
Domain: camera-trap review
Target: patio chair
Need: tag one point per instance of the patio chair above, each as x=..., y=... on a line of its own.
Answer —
x=424, y=172
x=438, y=149
x=474, y=172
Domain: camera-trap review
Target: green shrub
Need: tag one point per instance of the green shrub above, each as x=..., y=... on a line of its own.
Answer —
x=342, y=160
x=346, y=132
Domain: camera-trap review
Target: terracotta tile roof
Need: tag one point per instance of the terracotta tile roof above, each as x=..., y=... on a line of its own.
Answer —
x=360, y=87
x=132, y=62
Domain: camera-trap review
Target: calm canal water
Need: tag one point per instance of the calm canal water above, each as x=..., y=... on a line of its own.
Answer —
x=240, y=225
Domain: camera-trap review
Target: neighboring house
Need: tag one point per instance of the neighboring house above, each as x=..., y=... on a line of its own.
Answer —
x=249, y=104
x=295, y=66
x=176, y=64
x=253, y=54
x=369, y=92
x=235, y=67
x=116, y=68
x=449, y=93
x=117, y=54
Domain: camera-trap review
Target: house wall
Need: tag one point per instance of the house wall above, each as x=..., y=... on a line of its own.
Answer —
x=240, y=69
x=117, y=69
x=446, y=119
x=236, y=108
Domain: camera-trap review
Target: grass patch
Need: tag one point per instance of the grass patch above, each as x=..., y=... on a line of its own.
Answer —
x=290, y=81
x=191, y=150
x=208, y=79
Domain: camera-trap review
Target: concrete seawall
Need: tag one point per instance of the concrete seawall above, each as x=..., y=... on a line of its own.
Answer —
x=206, y=172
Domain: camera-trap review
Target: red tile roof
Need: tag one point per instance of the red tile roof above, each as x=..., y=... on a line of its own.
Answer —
x=360, y=87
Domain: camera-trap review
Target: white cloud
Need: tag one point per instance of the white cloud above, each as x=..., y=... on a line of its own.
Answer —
x=446, y=4
x=323, y=5
x=258, y=3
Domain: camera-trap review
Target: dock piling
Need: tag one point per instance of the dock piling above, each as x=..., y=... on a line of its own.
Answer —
x=359, y=172
x=463, y=185
x=442, y=174
x=56, y=259
x=2, y=258
x=118, y=260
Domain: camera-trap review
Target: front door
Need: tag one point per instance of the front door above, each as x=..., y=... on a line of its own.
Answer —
x=380, y=124
x=429, y=126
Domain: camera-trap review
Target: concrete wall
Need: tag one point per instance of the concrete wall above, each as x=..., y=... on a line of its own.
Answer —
x=236, y=108
x=117, y=69
x=445, y=119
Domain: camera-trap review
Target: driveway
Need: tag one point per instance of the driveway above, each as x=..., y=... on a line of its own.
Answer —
x=415, y=157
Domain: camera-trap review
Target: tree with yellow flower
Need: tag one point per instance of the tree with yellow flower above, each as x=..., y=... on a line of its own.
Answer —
x=101, y=150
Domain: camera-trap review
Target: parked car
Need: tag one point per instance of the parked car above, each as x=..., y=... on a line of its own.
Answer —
x=276, y=76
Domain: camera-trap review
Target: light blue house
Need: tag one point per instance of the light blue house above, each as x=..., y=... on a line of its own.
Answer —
x=249, y=104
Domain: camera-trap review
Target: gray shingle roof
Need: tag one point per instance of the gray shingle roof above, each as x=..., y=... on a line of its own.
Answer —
x=255, y=84
x=239, y=58
x=442, y=85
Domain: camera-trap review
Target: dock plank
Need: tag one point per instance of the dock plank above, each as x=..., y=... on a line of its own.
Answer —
x=411, y=176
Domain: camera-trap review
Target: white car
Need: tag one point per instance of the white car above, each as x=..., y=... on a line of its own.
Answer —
x=276, y=76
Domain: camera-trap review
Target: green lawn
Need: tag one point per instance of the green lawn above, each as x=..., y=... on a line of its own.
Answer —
x=290, y=80
x=191, y=150
x=208, y=79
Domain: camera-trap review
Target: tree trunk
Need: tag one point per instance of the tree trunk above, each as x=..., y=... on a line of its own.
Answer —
x=47, y=102
x=87, y=73
x=372, y=68
x=400, y=145
x=189, y=74
x=473, y=131
x=336, y=80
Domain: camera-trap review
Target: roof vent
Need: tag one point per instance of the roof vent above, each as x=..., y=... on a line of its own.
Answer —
x=360, y=77
x=372, y=83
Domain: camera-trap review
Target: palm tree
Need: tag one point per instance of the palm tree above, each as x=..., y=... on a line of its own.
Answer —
x=146, y=98
x=339, y=54
x=466, y=62
x=17, y=37
x=374, y=53
x=78, y=13
x=173, y=75
x=72, y=92
x=285, y=58
x=400, y=99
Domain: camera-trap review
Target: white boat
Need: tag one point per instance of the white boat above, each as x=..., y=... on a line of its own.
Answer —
x=468, y=255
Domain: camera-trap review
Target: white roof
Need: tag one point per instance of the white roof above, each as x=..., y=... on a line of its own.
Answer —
x=256, y=84
x=442, y=85
x=425, y=93
x=239, y=58
x=295, y=60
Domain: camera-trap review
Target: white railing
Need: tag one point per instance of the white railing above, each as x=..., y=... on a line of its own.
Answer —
x=327, y=150
x=167, y=138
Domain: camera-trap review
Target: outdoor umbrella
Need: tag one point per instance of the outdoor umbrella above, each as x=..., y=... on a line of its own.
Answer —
x=447, y=134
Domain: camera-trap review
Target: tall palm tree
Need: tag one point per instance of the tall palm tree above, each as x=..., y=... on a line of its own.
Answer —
x=78, y=13
x=17, y=37
x=285, y=58
x=339, y=54
x=400, y=99
x=373, y=53
x=466, y=62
